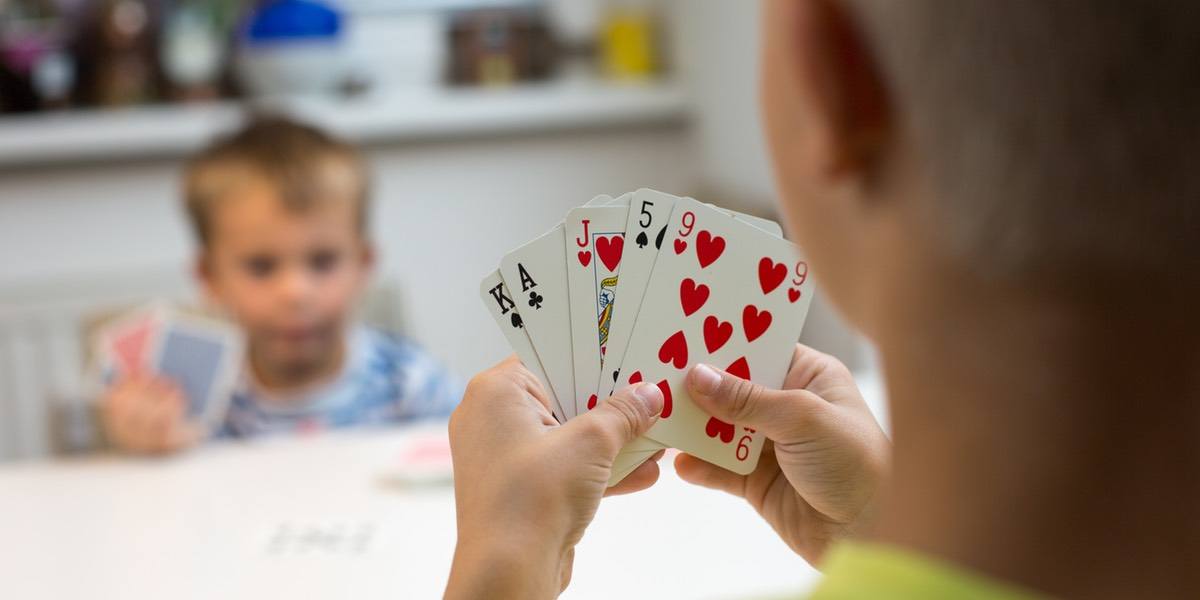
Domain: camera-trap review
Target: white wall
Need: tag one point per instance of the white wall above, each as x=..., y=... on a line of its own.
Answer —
x=716, y=47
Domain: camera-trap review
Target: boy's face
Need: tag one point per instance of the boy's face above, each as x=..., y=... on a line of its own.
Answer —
x=290, y=278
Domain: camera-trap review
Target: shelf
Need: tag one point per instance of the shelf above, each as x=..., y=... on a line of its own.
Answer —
x=172, y=131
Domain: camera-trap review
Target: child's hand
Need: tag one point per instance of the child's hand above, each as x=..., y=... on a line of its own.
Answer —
x=147, y=415
x=526, y=487
x=821, y=438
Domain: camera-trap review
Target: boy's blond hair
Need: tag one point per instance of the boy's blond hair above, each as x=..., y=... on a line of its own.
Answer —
x=302, y=163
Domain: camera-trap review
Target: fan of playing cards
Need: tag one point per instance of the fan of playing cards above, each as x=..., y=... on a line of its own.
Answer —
x=641, y=287
x=201, y=355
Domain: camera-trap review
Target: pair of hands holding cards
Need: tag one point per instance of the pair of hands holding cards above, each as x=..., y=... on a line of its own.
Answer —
x=691, y=314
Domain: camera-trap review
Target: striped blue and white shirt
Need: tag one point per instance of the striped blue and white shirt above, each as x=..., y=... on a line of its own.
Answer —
x=386, y=379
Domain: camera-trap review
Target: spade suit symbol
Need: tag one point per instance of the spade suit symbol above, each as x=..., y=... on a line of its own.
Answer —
x=642, y=240
x=659, y=240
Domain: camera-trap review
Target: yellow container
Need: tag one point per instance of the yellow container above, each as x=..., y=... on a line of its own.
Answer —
x=628, y=44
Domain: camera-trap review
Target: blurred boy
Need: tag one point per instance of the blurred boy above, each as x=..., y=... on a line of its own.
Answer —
x=280, y=211
x=1003, y=196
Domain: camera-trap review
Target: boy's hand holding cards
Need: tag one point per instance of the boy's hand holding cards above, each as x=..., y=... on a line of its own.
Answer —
x=198, y=355
x=639, y=289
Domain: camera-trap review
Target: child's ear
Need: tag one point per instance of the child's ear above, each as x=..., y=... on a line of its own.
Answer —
x=840, y=88
x=202, y=270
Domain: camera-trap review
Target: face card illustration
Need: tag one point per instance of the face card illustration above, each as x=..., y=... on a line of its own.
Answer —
x=536, y=275
x=202, y=358
x=503, y=308
x=724, y=293
x=595, y=243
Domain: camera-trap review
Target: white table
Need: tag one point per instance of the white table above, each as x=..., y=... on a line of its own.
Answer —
x=314, y=518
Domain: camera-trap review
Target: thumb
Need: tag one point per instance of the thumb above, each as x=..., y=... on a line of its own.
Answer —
x=617, y=420
x=778, y=414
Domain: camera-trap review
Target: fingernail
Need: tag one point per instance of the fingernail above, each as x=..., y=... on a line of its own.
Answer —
x=650, y=396
x=705, y=379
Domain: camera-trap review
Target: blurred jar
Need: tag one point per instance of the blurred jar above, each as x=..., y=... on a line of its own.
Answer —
x=629, y=45
x=576, y=25
x=116, y=54
x=195, y=45
x=496, y=47
x=292, y=47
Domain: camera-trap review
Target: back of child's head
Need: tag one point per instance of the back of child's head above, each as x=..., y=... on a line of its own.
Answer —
x=1059, y=138
x=303, y=166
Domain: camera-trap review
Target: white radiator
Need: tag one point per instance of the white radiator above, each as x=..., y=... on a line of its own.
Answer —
x=40, y=358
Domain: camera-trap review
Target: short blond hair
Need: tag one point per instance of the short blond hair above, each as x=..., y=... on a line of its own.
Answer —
x=304, y=164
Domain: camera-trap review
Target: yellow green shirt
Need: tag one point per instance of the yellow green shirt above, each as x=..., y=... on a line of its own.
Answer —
x=856, y=570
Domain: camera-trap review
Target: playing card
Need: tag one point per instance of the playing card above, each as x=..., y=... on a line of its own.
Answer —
x=646, y=226
x=627, y=461
x=648, y=215
x=503, y=309
x=606, y=200
x=595, y=236
x=202, y=357
x=633, y=454
x=421, y=459
x=724, y=293
x=536, y=275
x=126, y=344
x=766, y=225
x=622, y=200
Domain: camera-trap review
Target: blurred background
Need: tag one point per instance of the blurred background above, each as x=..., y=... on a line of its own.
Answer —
x=484, y=121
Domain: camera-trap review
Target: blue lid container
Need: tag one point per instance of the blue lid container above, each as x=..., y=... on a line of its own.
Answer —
x=293, y=21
